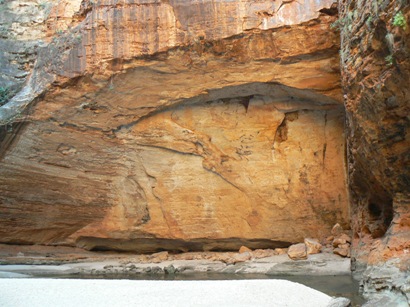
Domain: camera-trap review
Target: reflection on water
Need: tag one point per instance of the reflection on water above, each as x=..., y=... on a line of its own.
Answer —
x=338, y=285
x=343, y=285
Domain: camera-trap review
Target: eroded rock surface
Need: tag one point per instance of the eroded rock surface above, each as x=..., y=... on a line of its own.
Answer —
x=219, y=169
x=375, y=61
x=191, y=133
x=376, y=73
x=70, y=39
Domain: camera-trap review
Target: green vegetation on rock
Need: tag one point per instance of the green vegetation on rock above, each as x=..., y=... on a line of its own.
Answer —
x=399, y=20
x=389, y=59
x=4, y=95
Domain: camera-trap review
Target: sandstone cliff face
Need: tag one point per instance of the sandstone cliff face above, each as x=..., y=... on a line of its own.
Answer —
x=22, y=26
x=376, y=66
x=76, y=38
x=188, y=129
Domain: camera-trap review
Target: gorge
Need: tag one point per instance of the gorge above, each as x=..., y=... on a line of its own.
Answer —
x=147, y=125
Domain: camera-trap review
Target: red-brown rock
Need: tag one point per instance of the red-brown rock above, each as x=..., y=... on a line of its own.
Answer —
x=375, y=77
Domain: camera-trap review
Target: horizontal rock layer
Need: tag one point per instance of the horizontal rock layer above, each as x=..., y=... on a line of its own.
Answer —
x=69, y=39
x=212, y=143
x=252, y=167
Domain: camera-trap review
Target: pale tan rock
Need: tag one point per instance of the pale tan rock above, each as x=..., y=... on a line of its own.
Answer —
x=344, y=246
x=344, y=252
x=228, y=258
x=281, y=251
x=263, y=253
x=159, y=257
x=219, y=180
x=145, y=258
x=312, y=246
x=345, y=237
x=329, y=239
x=158, y=26
x=342, y=239
x=337, y=230
x=222, y=144
x=223, y=257
x=244, y=249
x=241, y=257
x=297, y=251
x=188, y=256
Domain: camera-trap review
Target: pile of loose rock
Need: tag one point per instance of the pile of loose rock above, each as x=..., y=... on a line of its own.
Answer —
x=301, y=251
x=338, y=242
x=244, y=254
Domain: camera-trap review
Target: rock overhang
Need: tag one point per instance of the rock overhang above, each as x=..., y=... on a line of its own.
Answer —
x=87, y=139
x=178, y=172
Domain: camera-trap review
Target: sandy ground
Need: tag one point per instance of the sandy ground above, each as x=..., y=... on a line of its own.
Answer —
x=76, y=292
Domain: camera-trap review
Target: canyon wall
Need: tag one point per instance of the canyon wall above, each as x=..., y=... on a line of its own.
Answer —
x=376, y=72
x=144, y=125
x=376, y=66
x=70, y=39
x=172, y=125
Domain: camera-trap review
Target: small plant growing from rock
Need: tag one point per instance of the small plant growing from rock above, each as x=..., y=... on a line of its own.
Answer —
x=389, y=60
x=4, y=95
x=369, y=21
x=336, y=25
x=399, y=20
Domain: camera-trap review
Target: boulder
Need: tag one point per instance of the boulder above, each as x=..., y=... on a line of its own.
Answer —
x=312, y=246
x=329, y=240
x=297, y=251
x=170, y=270
x=159, y=257
x=342, y=251
x=344, y=246
x=342, y=239
x=337, y=230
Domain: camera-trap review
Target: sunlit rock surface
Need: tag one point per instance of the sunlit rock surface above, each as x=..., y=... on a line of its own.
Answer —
x=206, y=132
